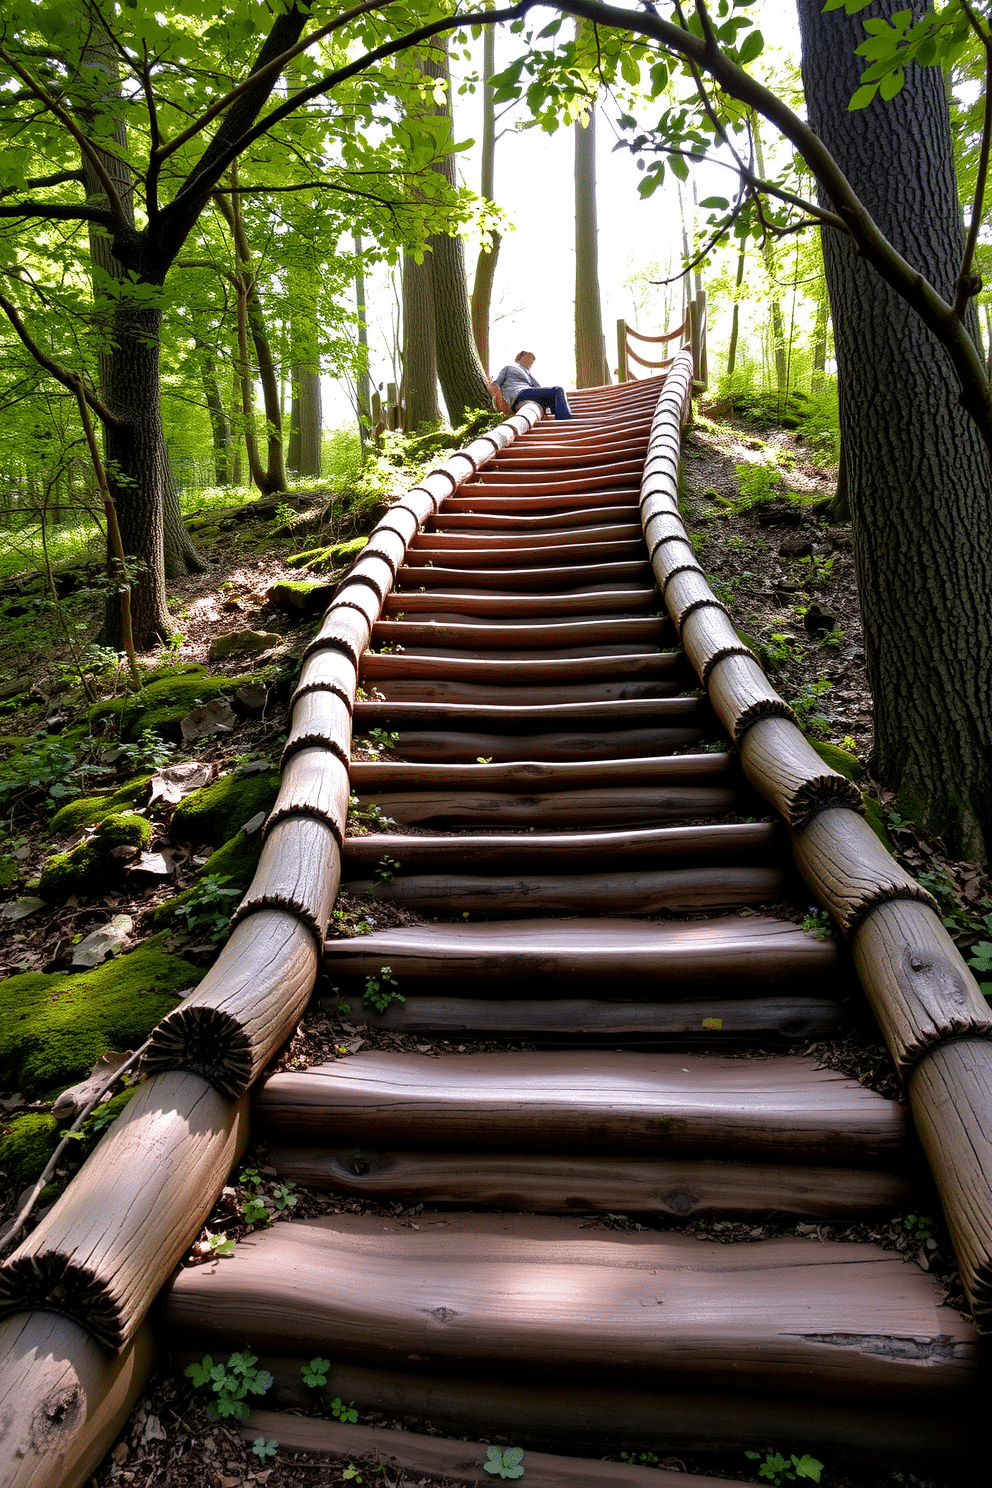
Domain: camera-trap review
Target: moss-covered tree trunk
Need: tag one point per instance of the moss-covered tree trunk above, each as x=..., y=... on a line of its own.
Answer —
x=917, y=474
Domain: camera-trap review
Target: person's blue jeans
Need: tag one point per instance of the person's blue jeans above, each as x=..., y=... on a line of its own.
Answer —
x=551, y=398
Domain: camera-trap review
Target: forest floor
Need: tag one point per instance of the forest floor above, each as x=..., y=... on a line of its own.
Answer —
x=787, y=576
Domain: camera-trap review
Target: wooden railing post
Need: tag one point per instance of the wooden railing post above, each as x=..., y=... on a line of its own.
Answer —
x=701, y=366
x=621, y=350
x=393, y=419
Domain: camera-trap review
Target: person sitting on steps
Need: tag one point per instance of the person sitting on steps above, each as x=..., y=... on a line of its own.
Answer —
x=515, y=383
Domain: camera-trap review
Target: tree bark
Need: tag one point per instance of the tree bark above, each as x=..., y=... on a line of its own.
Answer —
x=363, y=387
x=588, y=311
x=917, y=473
x=485, y=267
x=419, y=345
x=735, y=322
x=220, y=424
x=463, y=381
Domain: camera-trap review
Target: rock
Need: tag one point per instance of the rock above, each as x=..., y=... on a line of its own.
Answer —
x=103, y=943
x=778, y=513
x=21, y=908
x=175, y=781
x=721, y=408
x=297, y=597
x=243, y=642
x=89, y=811
x=151, y=868
x=86, y=868
x=254, y=823
x=72, y=1101
x=215, y=717
x=796, y=547
x=818, y=621
x=252, y=698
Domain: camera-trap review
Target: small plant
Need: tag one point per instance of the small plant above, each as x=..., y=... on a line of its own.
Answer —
x=483, y=759
x=264, y=1449
x=504, y=1462
x=778, y=1469
x=805, y=706
x=817, y=922
x=384, y=739
x=149, y=753
x=205, y=911
x=232, y=1383
x=219, y=1244
x=758, y=482
x=352, y=1475
x=315, y=1373
x=282, y=1195
x=342, y=1412
x=381, y=990
x=919, y=1228
x=386, y=869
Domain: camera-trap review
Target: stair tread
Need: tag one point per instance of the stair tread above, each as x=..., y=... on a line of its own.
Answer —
x=662, y=769
x=609, y=710
x=552, y=1296
x=725, y=842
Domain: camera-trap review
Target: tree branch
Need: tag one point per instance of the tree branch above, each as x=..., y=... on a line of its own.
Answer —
x=70, y=380
x=62, y=212
x=966, y=284
x=41, y=183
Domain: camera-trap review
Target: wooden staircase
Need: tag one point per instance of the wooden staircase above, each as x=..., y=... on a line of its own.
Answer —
x=594, y=876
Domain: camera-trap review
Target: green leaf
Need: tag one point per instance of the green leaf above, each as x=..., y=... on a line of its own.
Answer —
x=679, y=167
x=753, y=46
x=862, y=98
x=892, y=84
x=715, y=203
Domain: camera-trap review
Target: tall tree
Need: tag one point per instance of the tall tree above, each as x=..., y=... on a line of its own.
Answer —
x=419, y=343
x=485, y=265
x=588, y=306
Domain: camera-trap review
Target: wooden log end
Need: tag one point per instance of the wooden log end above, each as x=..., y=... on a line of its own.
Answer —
x=722, y=655
x=331, y=640
x=317, y=686
x=206, y=1041
x=696, y=604
x=758, y=711
x=50, y=1281
x=254, y=902
x=313, y=741
x=681, y=568
x=309, y=813
x=820, y=794
x=886, y=894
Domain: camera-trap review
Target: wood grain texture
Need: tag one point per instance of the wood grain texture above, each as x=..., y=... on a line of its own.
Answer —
x=320, y=719
x=457, y=746
x=569, y=1184
x=849, y=870
x=495, y=541
x=598, y=474
x=314, y=783
x=710, y=1023
x=362, y=598
x=541, y=580
x=740, y=692
x=918, y=984
x=785, y=1109
x=527, y=692
x=708, y=637
x=553, y=501
x=737, y=842
x=691, y=953
x=620, y=603
x=461, y=1462
x=619, y=711
x=572, y=1416
x=504, y=556
x=789, y=773
x=342, y=629
x=663, y=665
x=327, y=671
x=246, y=1006
x=542, y=1295
x=107, y=1245
x=609, y=806
x=522, y=523
x=685, y=590
x=64, y=1399
x=695, y=769
x=950, y=1095
x=675, y=891
x=299, y=871
x=649, y=629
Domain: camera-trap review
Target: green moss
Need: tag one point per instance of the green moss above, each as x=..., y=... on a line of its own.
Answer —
x=323, y=560
x=87, y=867
x=53, y=1029
x=218, y=811
x=87, y=811
x=235, y=861
x=838, y=759
x=163, y=703
x=875, y=819
x=26, y=1146
x=13, y=743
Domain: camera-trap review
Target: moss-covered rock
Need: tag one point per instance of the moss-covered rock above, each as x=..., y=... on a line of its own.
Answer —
x=300, y=596
x=164, y=702
x=243, y=643
x=841, y=760
x=26, y=1146
x=218, y=811
x=236, y=861
x=325, y=560
x=88, y=811
x=14, y=743
x=54, y=1028
x=88, y=867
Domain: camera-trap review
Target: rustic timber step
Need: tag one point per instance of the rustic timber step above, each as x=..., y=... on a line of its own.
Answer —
x=584, y=668
x=780, y=1109
x=673, y=890
x=522, y=691
x=456, y=1461
x=522, y=523
x=620, y=603
x=513, y=499
x=498, y=557
x=708, y=1023
x=519, y=481
x=507, y=580
x=530, y=1295
x=612, y=713
x=731, y=951
x=607, y=807
x=564, y=1183
x=479, y=632
x=458, y=746
x=561, y=537
x=734, y=843
x=374, y=775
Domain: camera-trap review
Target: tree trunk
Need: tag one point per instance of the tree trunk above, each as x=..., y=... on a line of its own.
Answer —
x=735, y=322
x=305, y=419
x=463, y=381
x=588, y=311
x=220, y=424
x=364, y=384
x=777, y=330
x=820, y=342
x=419, y=345
x=485, y=268
x=917, y=474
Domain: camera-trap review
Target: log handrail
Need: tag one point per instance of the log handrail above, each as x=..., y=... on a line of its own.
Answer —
x=693, y=333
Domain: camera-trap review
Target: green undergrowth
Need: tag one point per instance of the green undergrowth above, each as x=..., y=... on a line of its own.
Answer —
x=53, y=1028
x=841, y=760
x=29, y=1141
x=92, y=867
x=89, y=811
x=166, y=699
x=217, y=812
x=234, y=864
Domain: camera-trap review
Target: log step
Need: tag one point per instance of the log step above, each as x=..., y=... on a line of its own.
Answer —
x=568, y=1184
x=525, y=502
x=509, y=580
x=620, y=604
x=521, y=522
x=731, y=951
x=512, y=542
x=476, y=631
x=677, y=891
x=781, y=1109
x=733, y=843
x=663, y=665
x=529, y=1295
x=708, y=1023
x=526, y=691
x=609, y=806
x=519, y=746
x=615, y=711
x=695, y=769
x=461, y=557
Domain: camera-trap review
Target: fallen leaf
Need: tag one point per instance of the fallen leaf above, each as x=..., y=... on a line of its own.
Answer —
x=170, y=784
